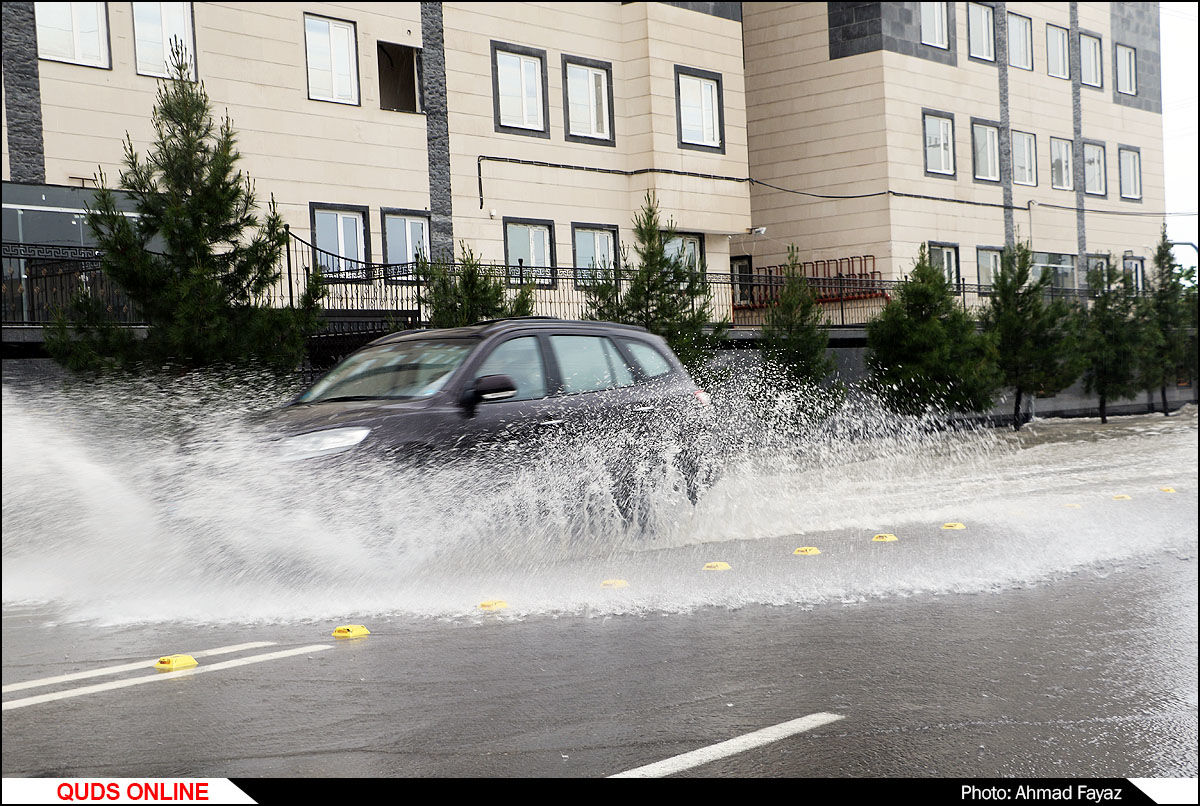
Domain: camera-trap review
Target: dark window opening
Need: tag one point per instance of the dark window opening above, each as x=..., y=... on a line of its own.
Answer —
x=399, y=78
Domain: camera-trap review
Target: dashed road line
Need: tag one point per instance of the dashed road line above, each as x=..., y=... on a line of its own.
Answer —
x=739, y=744
x=115, y=684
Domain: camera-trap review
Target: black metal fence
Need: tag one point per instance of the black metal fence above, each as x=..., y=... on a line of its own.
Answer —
x=41, y=280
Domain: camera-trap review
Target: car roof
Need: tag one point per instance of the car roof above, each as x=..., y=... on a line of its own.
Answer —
x=489, y=327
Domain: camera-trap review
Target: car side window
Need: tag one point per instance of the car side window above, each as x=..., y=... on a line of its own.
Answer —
x=651, y=361
x=521, y=360
x=589, y=364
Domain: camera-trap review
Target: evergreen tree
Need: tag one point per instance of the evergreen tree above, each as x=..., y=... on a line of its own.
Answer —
x=1110, y=338
x=1035, y=340
x=794, y=336
x=196, y=259
x=664, y=293
x=462, y=294
x=923, y=350
x=1164, y=348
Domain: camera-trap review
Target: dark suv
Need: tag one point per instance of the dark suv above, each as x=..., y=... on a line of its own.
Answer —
x=442, y=394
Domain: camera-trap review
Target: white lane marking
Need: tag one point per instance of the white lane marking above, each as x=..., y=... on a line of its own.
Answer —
x=128, y=667
x=731, y=747
x=135, y=681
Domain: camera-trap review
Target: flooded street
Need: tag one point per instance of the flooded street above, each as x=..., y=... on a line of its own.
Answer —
x=1053, y=634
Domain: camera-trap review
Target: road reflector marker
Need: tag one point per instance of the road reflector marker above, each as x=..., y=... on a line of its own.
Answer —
x=1167, y=489
x=884, y=538
x=717, y=566
x=351, y=631
x=1073, y=506
x=807, y=550
x=493, y=604
x=953, y=526
x=614, y=583
x=173, y=663
x=1121, y=498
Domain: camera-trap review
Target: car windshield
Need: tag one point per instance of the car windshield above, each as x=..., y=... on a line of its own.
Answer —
x=402, y=370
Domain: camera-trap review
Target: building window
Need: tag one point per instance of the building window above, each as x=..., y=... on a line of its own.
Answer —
x=529, y=251
x=1024, y=148
x=741, y=270
x=1131, y=173
x=1094, y=170
x=1061, y=176
x=1090, y=62
x=519, y=90
x=340, y=238
x=405, y=240
x=945, y=257
x=981, y=34
x=595, y=251
x=587, y=100
x=73, y=32
x=989, y=265
x=155, y=27
x=1020, y=41
x=987, y=152
x=1126, y=70
x=1135, y=271
x=939, y=144
x=1058, y=62
x=1061, y=268
x=332, y=50
x=933, y=25
x=700, y=116
x=690, y=246
x=399, y=77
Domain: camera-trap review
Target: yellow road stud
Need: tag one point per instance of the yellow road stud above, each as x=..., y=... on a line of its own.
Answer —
x=1167, y=489
x=1121, y=497
x=884, y=538
x=493, y=604
x=953, y=526
x=614, y=583
x=173, y=663
x=351, y=631
x=718, y=566
x=1073, y=506
x=807, y=550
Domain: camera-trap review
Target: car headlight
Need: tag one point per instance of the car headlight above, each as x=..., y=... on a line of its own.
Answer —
x=321, y=443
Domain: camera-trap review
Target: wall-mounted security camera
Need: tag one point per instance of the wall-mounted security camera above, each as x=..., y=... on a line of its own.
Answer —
x=759, y=230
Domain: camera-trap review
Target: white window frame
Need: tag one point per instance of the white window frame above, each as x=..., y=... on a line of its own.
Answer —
x=709, y=92
x=1057, y=143
x=945, y=144
x=341, y=216
x=1022, y=60
x=595, y=124
x=155, y=60
x=945, y=257
x=1091, y=45
x=1024, y=143
x=984, y=257
x=531, y=119
x=312, y=31
x=541, y=274
x=1126, y=70
x=104, y=57
x=1088, y=186
x=688, y=244
x=1131, y=180
x=594, y=233
x=934, y=25
x=1058, y=56
x=981, y=30
x=410, y=254
x=988, y=170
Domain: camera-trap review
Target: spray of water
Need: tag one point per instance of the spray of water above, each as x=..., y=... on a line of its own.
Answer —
x=155, y=499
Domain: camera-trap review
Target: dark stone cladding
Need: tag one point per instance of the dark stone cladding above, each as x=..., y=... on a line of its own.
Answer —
x=1136, y=25
x=437, y=130
x=728, y=11
x=865, y=27
x=22, y=94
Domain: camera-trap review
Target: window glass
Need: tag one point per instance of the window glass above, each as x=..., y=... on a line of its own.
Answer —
x=594, y=251
x=529, y=256
x=407, y=238
x=1094, y=169
x=589, y=364
x=989, y=265
x=1131, y=174
x=332, y=60
x=650, y=360
x=686, y=245
x=1060, y=266
x=72, y=32
x=1024, y=159
x=1057, y=57
x=400, y=370
x=1020, y=41
x=587, y=101
x=946, y=259
x=339, y=239
x=519, y=82
x=981, y=36
x=155, y=25
x=939, y=145
x=1126, y=70
x=1060, y=164
x=698, y=111
x=1089, y=54
x=521, y=360
x=987, y=152
x=933, y=25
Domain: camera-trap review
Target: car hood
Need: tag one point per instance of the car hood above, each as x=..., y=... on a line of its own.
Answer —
x=305, y=417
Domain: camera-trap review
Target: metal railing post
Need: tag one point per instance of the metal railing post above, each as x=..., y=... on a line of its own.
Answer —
x=287, y=230
x=842, y=296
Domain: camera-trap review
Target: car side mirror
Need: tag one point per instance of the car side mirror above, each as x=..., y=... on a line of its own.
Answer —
x=491, y=388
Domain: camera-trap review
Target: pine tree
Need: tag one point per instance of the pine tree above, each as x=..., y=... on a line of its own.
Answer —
x=197, y=260
x=664, y=293
x=462, y=294
x=1035, y=340
x=1164, y=348
x=923, y=350
x=1110, y=338
x=794, y=336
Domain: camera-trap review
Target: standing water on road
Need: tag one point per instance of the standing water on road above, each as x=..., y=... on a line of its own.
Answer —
x=153, y=499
